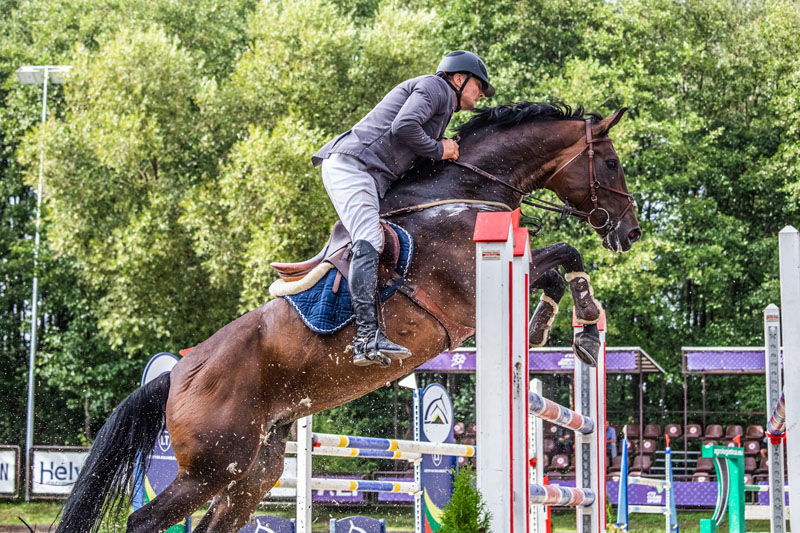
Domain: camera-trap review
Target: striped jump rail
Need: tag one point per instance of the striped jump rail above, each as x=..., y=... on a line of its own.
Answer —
x=330, y=451
x=392, y=445
x=353, y=485
x=777, y=422
x=563, y=496
x=558, y=414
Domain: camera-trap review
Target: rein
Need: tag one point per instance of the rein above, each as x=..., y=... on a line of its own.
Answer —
x=565, y=209
x=527, y=198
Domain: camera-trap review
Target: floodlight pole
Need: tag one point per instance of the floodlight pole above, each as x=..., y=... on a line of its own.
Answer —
x=46, y=71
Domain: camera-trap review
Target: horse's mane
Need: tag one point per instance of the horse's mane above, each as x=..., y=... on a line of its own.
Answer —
x=505, y=116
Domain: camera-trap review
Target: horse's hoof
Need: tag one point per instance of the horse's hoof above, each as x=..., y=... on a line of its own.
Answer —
x=586, y=348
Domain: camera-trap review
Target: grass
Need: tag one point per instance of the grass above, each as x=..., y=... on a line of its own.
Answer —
x=399, y=519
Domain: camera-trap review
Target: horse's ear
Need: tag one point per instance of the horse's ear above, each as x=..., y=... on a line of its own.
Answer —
x=602, y=128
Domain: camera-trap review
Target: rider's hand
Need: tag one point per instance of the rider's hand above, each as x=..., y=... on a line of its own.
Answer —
x=450, y=149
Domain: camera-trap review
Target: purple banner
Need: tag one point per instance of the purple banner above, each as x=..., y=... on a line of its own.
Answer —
x=700, y=360
x=687, y=494
x=540, y=361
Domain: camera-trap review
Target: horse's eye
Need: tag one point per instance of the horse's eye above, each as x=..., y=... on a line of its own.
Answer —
x=612, y=164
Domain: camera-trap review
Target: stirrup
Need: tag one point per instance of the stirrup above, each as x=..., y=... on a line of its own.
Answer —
x=371, y=358
x=365, y=351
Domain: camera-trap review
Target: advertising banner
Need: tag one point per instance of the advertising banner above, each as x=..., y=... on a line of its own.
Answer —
x=9, y=471
x=55, y=469
x=437, y=470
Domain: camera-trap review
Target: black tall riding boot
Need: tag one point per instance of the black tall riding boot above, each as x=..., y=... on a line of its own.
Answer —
x=371, y=344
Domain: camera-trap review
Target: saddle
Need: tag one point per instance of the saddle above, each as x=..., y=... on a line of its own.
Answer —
x=313, y=290
x=338, y=252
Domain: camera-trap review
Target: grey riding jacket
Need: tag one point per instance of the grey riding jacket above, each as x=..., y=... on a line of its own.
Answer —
x=408, y=123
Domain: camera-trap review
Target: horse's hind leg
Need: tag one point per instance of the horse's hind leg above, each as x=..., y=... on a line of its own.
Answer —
x=233, y=507
x=183, y=496
x=208, y=463
x=553, y=287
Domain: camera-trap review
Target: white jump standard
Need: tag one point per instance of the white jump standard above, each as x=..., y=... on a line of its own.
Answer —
x=789, y=248
x=504, y=399
x=776, y=425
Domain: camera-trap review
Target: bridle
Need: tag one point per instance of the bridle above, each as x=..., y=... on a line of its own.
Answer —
x=566, y=209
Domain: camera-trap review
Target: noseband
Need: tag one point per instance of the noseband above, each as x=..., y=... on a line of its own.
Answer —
x=566, y=209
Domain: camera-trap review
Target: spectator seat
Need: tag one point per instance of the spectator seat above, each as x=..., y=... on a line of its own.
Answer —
x=633, y=431
x=694, y=431
x=648, y=446
x=704, y=464
x=752, y=447
x=713, y=432
x=548, y=445
x=734, y=430
x=754, y=432
x=641, y=465
x=652, y=431
x=559, y=462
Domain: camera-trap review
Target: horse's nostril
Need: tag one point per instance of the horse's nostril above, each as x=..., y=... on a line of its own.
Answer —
x=634, y=235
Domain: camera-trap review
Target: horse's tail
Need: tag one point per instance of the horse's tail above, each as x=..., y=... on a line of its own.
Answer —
x=128, y=435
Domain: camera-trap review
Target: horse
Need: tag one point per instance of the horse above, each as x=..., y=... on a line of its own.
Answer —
x=230, y=402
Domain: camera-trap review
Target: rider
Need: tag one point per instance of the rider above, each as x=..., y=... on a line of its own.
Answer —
x=359, y=165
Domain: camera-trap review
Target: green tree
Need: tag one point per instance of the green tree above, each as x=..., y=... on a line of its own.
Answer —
x=466, y=512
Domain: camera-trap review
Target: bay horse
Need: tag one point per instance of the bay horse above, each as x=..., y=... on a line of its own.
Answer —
x=230, y=402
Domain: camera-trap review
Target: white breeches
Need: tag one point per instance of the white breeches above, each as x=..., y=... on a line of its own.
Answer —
x=354, y=195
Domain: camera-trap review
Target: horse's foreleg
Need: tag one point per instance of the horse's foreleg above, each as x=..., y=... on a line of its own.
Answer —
x=232, y=508
x=587, y=308
x=552, y=285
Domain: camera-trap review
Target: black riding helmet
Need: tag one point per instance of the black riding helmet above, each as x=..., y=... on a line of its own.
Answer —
x=469, y=63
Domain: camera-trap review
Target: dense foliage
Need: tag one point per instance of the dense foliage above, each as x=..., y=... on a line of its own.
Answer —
x=177, y=167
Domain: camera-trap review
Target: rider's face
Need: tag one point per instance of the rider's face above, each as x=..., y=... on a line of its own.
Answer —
x=471, y=94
